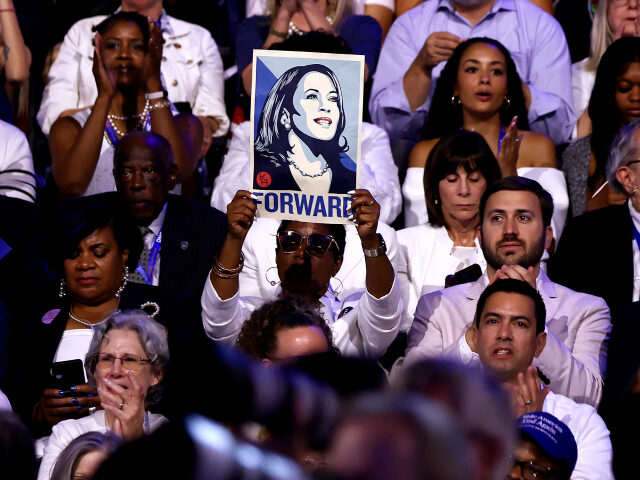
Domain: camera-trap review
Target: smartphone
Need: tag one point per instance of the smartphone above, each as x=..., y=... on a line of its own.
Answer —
x=67, y=374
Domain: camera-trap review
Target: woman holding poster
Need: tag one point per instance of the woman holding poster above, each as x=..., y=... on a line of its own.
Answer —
x=300, y=144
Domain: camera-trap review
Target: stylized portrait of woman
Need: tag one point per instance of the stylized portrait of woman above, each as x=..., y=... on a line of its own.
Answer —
x=300, y=143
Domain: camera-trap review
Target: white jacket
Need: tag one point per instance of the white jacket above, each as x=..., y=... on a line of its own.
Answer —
x=191, y=70
x=17, y=177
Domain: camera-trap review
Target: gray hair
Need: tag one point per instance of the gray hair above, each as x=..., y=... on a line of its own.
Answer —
x=624, y=149
x=70, y=457
x=440, y=447
x=601, y=36
x=478, y=401
x=153, y=338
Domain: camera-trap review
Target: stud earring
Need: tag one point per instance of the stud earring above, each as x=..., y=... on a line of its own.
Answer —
x=506, y=104
x=436, y=202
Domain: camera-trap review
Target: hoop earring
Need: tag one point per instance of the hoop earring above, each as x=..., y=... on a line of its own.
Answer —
x=63, y=290
x=125, y=279
x=455, y=101
x=337, y=293
x=506, y=104
x=273, y=283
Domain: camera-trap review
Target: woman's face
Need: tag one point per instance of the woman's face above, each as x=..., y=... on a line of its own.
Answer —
x=304, y=274
x=481, y=82
x=123, y=51
x=88, y=465
x=622, y=16
x=460, y=194
x=93, y=273
x=125, y=343
x=628, y=93
x=317, y=101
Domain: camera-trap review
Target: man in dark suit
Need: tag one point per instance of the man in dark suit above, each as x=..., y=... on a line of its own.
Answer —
x=595, y=255
x=181, y=237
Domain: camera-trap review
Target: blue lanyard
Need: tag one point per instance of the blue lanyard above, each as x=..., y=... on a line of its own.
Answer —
x=147, y=275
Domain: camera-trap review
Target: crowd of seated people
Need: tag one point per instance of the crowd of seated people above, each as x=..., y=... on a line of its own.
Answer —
x=476, y=316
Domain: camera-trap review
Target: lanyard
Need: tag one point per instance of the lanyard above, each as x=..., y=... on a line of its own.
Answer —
x=147, y=274
x=500, y=137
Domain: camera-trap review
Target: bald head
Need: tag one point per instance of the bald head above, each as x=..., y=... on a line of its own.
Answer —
x=145, y=173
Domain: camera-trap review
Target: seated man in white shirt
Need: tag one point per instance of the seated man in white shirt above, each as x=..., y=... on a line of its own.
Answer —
x=515, y=229
x=307, y=255
x=509, y=332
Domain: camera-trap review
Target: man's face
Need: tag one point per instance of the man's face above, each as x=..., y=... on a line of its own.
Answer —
x=513, y=231
x=143, y=181
x=530, y=457
x=506, y=339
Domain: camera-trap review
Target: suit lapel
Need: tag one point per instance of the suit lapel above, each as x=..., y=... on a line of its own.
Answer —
x=175, y=242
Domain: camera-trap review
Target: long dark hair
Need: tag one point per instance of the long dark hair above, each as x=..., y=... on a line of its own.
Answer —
x=603, y=109
x=445, y=117
x=273, y=138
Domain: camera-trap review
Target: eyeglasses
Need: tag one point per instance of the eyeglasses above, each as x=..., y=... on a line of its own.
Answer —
x=317, y=243
x=532, y=471
x=129, y=362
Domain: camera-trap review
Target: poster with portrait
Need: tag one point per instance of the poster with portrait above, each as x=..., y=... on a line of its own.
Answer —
x=306, y=116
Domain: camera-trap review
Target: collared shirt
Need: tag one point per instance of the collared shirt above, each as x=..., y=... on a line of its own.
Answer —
x=534, y=38
x=635, y=218
x=155, y=226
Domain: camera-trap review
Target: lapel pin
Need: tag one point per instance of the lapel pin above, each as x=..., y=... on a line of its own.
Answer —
x=184, y=245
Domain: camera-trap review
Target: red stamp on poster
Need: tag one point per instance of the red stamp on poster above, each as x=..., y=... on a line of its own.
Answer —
x=263, y=179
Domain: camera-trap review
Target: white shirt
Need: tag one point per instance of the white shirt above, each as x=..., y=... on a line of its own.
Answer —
x=362, y=325
x=582, y=82
x=74, y=344
x=551, y=179
x=635, y=218
x=427, y=256
x=591, y=434
x=377, y=171
x=17, y=178
x=64, y=432
x=4, y=402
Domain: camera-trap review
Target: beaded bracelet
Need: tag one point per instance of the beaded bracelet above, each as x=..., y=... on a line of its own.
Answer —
x=162, y=104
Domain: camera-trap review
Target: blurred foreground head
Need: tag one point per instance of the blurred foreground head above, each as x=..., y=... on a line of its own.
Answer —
x=399, y=437
x=478, y=402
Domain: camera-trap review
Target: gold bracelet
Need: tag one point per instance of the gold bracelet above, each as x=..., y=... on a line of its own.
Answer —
x=283, y=35
x=223, y=272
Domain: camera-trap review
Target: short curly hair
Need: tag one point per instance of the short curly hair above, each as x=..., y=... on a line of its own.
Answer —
x=258, y=336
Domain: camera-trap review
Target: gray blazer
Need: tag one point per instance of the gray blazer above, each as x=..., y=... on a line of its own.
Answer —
x=575, y=165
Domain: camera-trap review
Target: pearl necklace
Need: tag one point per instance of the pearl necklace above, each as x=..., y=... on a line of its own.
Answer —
x=304, y=174
x=295, y=30
x=84, y=322
x=139, y=126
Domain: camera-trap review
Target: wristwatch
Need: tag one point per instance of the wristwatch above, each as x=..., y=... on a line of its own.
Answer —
x=376, y=252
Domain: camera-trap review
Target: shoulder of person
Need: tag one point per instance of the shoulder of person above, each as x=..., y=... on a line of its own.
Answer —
x=85, y=25
x=420, y=152
x=181, y=27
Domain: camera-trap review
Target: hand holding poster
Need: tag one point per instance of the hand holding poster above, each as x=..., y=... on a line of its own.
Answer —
x=306, y=134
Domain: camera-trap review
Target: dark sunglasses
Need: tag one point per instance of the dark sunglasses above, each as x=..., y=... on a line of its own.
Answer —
x=317, y=243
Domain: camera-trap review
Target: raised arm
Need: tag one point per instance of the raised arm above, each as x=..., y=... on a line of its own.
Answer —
x=15, y=55
x=162, y=120
x=74, y=149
